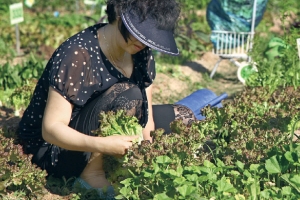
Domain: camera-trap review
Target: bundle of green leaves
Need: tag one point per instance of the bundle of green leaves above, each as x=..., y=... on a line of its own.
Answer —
x=117, y=123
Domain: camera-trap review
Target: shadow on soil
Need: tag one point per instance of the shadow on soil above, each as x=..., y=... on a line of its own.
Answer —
x=196, y=67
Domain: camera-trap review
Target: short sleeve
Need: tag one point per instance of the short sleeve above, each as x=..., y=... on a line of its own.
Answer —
x=72, y=75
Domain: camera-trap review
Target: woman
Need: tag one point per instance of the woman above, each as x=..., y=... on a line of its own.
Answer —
x=104, y=67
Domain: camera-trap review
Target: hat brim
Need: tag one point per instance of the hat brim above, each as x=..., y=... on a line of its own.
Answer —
x=149, y=34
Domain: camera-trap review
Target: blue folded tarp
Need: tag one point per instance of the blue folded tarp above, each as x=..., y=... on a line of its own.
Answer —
x=201, y=98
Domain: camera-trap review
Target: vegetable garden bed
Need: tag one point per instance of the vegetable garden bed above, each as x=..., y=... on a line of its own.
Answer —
x=247, y=149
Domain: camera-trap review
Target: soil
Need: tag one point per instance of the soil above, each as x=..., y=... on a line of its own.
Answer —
x=198, y=71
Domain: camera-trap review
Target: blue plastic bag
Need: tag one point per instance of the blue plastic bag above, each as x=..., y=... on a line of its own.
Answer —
x=233, y=15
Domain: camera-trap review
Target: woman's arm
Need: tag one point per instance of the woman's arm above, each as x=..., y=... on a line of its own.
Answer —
x=55, y=130
x=150, y=124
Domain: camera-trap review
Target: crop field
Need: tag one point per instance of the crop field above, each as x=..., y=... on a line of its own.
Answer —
x=248, y=149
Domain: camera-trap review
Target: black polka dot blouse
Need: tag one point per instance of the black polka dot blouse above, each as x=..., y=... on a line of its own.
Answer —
x=78, y=70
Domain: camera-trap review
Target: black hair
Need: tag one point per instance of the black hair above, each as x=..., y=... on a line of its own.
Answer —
x=165, y=12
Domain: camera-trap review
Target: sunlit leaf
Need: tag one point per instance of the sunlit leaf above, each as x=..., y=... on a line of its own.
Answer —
x=272, y=165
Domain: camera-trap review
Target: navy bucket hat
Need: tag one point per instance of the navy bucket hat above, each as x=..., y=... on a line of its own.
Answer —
x=148, y=33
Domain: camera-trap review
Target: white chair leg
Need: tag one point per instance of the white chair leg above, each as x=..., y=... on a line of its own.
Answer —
x=215, y=68
x=236, y=63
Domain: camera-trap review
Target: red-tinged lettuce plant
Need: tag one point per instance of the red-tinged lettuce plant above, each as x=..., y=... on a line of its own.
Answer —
x=17, y=173
x=250, y=153
x=252, y=123
x=243, y=150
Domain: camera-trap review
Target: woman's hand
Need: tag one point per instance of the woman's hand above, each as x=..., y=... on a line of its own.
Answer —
x=116, y=145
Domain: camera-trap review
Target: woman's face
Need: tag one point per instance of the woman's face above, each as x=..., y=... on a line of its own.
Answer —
x=132, y=46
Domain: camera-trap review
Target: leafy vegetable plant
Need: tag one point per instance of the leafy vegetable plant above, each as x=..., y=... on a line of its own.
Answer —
x=117, y=123
x=17, y=173
x=241, y=151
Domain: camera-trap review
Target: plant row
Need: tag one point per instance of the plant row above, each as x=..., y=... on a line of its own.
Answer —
x=245, y=150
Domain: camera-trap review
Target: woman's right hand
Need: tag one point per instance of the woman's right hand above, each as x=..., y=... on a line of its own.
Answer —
x=117, y=145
